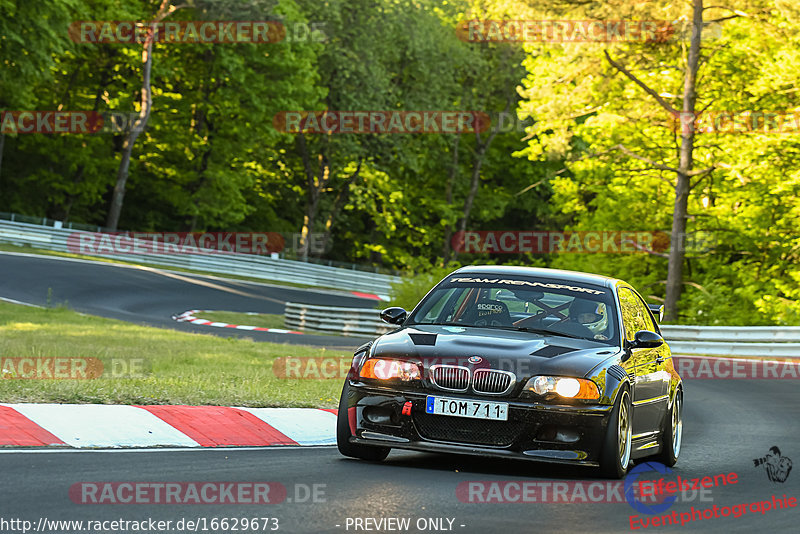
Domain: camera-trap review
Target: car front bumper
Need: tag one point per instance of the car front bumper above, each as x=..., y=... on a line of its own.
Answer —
x=561, y=433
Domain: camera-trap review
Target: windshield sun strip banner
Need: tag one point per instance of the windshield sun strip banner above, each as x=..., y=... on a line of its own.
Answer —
x=549, y=285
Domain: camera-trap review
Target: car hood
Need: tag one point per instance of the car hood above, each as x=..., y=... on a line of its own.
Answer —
x=524, y=353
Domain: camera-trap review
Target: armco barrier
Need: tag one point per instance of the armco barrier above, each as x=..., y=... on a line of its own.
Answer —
x=775, y=341
x=260, y=267
x=363, y=322
x=772, y=341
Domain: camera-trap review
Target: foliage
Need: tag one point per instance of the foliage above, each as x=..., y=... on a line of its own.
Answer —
x=212, y=159
x=409, y=291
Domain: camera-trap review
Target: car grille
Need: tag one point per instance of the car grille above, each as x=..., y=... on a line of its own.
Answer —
x=489, y=381
x=450, y=377
x=466, y=430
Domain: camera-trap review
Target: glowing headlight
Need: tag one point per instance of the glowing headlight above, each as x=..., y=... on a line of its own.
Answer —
x=568, y=387
x=571, y=388
x=390, y=369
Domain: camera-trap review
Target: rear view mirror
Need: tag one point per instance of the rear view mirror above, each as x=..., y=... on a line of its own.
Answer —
x=645, y=339
x=526, y=295
x=394, y=315
x=658, y=311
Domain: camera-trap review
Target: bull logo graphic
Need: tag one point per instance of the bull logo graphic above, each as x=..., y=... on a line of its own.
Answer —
x=778, y=467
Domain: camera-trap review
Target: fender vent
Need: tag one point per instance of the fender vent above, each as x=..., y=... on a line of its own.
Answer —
x=617, y=372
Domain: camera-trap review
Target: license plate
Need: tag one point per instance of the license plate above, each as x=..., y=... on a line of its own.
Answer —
x=467, y=408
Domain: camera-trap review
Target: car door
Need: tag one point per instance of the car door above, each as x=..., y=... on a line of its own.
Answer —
x=649, y=399
x=662, y=353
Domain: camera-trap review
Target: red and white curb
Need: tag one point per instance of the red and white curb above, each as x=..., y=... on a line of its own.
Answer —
x=188, y=317
x=372, y=296
x=117, y=426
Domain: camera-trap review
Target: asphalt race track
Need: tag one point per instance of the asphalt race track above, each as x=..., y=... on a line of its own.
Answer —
x=727, y=424
x=150, y=296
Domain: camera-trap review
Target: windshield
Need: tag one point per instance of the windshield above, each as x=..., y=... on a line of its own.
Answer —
x=546, y=306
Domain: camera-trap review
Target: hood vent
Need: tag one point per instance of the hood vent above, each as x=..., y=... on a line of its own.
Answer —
x=552, y=350
x=423, y=339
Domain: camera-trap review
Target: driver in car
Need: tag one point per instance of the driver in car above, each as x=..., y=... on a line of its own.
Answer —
x=583, y=314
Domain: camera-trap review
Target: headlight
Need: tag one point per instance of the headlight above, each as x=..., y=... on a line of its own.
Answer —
x=390, y=369
x=358, y=359
x=570, y=388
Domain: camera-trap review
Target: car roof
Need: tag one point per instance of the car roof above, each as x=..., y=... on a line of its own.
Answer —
x=538, y=272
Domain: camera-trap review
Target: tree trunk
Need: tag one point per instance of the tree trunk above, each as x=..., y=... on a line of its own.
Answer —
x=127, y=146
x=312, y=206
x=480, y=153
x=118, y=196
x=341, y=197
x=314, y=186
x=448, y=197
x=2, y=145
x=677, y=251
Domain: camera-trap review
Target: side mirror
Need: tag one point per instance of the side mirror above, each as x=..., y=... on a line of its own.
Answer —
x=658, y=311
x=394, y=315
x=645, y=339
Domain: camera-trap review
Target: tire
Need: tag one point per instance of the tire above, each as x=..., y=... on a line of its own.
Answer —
x=616, y=453
x=672, y=433
x=343, y=434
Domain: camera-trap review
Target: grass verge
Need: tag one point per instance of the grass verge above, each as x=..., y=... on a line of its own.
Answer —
x=179, y=368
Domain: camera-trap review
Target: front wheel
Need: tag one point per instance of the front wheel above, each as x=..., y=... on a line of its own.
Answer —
x=672, y=433
x=616, y=453
x=343, y=434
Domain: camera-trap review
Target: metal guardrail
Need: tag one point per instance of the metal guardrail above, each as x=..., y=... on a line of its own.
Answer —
x=772, y=341
x=738, y=334
x=260, y=267
x=776, y=350
x=345, y=321
x=778, y=341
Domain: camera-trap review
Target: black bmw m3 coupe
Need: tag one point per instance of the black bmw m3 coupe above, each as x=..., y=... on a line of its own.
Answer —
x=518, y=362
